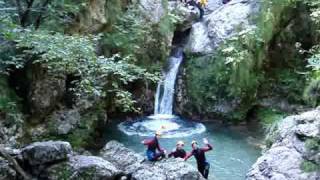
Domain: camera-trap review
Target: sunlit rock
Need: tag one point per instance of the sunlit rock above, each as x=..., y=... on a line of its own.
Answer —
x=140, y=169
x=222, y=23
x=295, y=147
x=46, y=152
x=83, y=167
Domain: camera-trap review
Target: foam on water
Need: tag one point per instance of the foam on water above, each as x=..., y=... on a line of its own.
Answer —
x=172, y=127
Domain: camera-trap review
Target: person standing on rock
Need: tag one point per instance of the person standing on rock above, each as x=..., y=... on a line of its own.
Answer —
x=152, y=147
x=202, y=4
x=199, y=154
x=196, y=3
x=178, y=152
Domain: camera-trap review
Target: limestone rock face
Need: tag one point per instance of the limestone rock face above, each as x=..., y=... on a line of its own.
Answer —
x=221, y=24
x=153, y=10
x=92, y=19
x=133, y=164
x=46, y=90
x=285, y=158
x=46, y=152
x=65, y=121
x=122, y=157
x=188, y=15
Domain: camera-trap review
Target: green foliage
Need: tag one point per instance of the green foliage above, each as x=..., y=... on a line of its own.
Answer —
x=129, y=33
x=9, y=105
x=64, y=54
x=235, y=72
x=313, y=144
x=268, y=117
x=134, y=35
x=309, y=166
x=315, y=10
x=312, y=92
x=53, y=15
x=243, y=58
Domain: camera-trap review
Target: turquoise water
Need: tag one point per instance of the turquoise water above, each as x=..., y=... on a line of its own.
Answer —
x=230, y=159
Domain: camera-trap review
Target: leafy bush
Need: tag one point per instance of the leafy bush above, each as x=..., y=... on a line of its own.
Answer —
x=313, y=144
x=134, y=35
x=64, y=54
x=312, y=92
x=268, y=117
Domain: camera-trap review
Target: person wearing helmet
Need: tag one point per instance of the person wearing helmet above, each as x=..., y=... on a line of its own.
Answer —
x=152, y=147
x=178, y=152
x=199, y=154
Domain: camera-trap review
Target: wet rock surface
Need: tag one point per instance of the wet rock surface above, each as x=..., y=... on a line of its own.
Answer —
x=291, y=150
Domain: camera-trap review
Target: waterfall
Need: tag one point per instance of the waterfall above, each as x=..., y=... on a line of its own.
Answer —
x=165, y=91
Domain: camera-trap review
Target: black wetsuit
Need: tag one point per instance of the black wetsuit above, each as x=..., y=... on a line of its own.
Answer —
x=203, y=165
x=178, y=153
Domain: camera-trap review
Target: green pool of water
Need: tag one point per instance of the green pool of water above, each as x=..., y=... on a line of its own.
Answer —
x=230, y=159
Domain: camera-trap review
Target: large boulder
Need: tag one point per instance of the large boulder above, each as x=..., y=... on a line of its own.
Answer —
x=221, y=24
x=123, y=158
x=40, y=153
x=188, y=15
x=83, y=168
x=134, y=165
x=291, y=150
x=153, y=10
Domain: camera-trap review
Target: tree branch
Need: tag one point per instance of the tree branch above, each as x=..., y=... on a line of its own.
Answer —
x=15, y=164
x=43, y=8
x=25, y=15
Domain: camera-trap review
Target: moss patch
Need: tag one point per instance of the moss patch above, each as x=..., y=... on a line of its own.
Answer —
x=309, y=166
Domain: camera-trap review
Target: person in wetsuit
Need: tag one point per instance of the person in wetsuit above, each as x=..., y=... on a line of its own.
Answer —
x=152, y=147
x=197, y=4
x=199, y=154
x=178, y=152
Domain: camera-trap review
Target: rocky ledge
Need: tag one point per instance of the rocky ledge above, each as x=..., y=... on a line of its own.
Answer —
x=294, y=151
x=55, y=160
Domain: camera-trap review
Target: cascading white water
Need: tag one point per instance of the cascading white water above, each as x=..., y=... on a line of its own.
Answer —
x=171, y=126
x=165, y=91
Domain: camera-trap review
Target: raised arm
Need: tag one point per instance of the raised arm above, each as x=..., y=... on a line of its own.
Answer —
x=208, y=147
